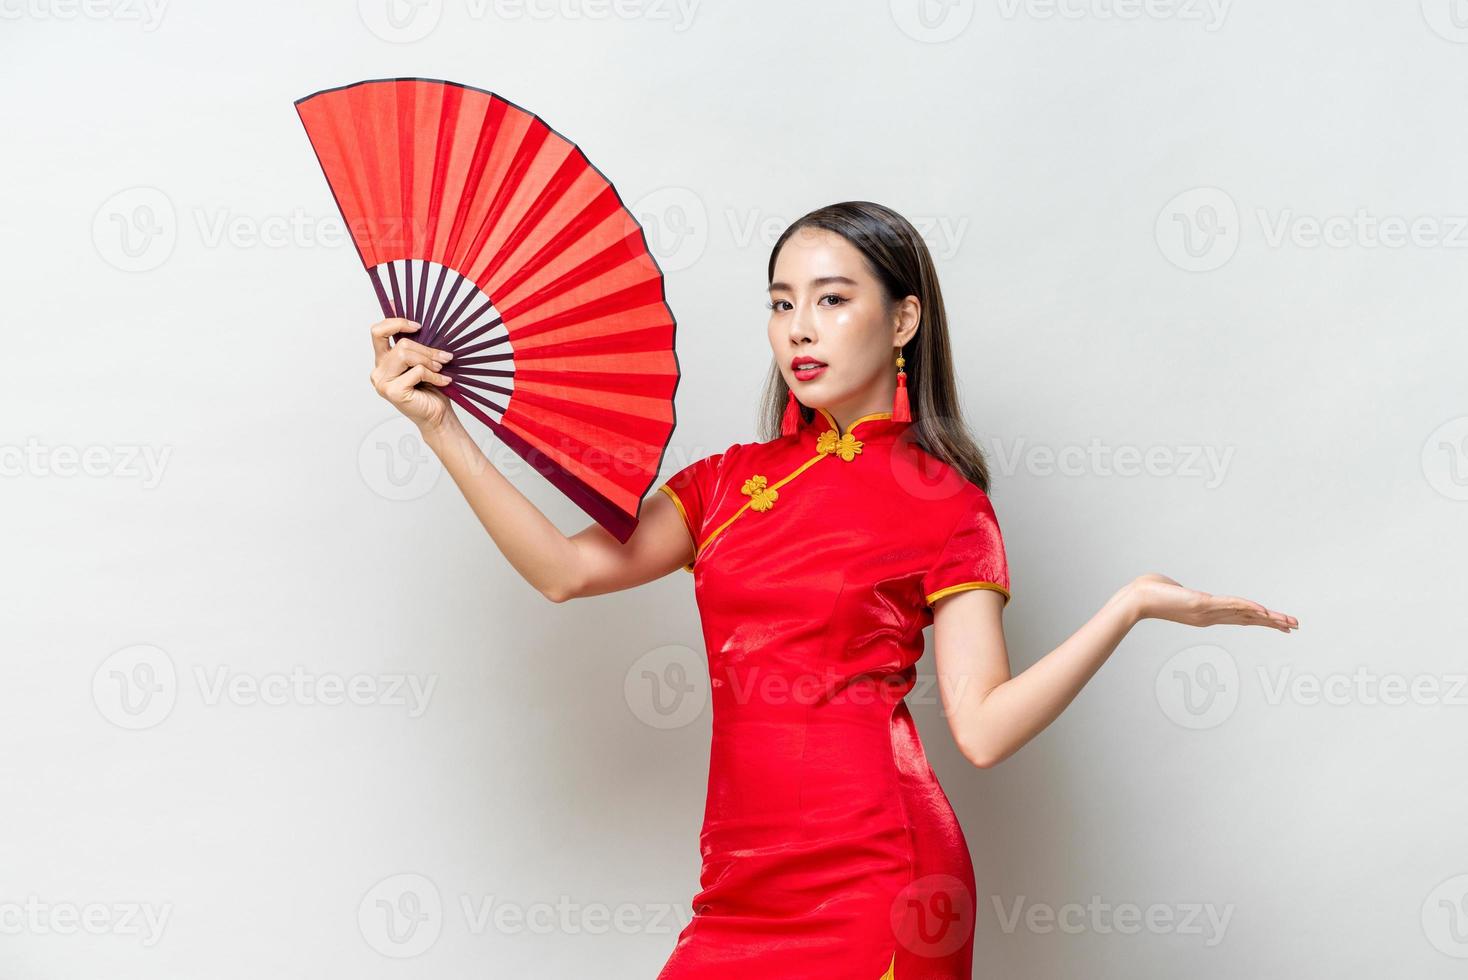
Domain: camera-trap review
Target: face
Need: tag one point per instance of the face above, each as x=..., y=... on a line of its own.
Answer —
x=827, y=305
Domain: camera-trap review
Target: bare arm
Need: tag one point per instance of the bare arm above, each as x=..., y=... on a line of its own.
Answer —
x=992, y=714
x=590, y=562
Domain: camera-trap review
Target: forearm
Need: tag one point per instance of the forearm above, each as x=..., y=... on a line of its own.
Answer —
x=536, y=548
x=997, y=722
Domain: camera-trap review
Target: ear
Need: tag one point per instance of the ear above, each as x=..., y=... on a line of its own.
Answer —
x=905, y=319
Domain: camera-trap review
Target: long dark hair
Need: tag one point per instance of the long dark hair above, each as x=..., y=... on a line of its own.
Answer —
x=899, y=258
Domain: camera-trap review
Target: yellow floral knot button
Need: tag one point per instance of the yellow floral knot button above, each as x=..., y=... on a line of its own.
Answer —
x=846, y=446
x=760, y=492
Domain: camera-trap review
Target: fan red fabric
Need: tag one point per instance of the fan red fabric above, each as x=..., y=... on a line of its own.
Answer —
x=476, y=219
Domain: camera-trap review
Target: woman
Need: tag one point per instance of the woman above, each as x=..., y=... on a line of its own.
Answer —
x=819, y=555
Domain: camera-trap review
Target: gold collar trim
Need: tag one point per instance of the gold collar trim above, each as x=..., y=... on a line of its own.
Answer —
x=831, y=421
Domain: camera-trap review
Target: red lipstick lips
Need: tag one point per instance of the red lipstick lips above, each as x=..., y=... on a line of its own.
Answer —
x=807, y=368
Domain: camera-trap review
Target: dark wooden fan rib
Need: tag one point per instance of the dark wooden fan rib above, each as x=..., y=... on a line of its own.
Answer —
x=485, y=345
x=482, y=385
x=451, y=320
x=435, y=309
x=477, y=362
x=479, y=399
x=471, y=327
x=480, y=372
x=397, y=300
x=377, y=287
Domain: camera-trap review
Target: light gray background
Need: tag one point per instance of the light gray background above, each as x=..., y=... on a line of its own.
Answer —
x=1126, y=203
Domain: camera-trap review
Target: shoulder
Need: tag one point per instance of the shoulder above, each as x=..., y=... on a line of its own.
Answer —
x=703, y=467
x=940, y=486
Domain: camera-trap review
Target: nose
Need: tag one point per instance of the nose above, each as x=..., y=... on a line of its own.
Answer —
x=800, y=326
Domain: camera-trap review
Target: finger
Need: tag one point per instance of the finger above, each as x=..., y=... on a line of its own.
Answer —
x=1283, y=621
x=400, y=389
x=383, y=329
x=1271, y=617
x=1247, y=612
x=434, y=352
x=400, y=358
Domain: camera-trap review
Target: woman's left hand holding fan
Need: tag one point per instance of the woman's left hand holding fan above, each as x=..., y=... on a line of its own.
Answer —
x=402, y=366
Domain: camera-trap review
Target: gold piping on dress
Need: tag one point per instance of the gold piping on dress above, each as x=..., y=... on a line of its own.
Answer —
x=763, y=494
x=965, y=586
x=673, y=494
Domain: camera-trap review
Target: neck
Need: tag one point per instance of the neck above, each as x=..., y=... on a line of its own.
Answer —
x=843, y=417
x=867, y=422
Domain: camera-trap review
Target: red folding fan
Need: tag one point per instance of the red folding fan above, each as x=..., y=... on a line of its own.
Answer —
x=492, y=230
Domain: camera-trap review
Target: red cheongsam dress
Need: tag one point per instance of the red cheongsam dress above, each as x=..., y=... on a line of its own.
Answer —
x=829, y=848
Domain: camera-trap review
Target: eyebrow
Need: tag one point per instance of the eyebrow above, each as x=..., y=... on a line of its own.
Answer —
x=824, y=280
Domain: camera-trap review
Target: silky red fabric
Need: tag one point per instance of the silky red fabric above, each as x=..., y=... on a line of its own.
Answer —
x=829, y=848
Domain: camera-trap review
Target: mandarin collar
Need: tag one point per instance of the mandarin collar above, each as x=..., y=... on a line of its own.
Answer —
x=871, y=425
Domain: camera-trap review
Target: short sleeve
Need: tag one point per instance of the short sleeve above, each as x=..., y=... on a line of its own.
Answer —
x=972, y=557
x=690, y=489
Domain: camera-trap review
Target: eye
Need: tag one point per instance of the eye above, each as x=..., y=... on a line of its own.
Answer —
x=777, y=304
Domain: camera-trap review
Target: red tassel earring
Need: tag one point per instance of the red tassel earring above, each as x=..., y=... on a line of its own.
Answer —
x=901, y=411
x=790, y=421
